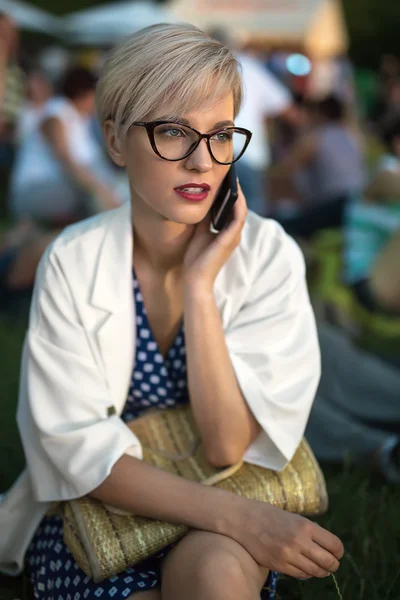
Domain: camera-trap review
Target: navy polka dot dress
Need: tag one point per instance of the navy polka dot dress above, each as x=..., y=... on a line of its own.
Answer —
x=156, y=382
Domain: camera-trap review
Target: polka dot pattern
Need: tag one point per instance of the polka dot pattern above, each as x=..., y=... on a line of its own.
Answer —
x=155, y=382
x=55, y=575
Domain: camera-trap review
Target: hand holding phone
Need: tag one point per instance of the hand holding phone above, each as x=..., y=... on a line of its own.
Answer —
x=207, y=252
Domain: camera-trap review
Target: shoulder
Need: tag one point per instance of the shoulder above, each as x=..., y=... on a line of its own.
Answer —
x=77, y=247
x=267, y=261
x=265, y=243
x=56, y=107
x=86, y=230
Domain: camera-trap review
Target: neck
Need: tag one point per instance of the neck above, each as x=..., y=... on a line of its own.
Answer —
x=159, y=243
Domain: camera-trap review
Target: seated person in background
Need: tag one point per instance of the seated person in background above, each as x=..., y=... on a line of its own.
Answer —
x=38, y=92
x=60, y=170
x=327, y=162
x=60, y=176
x=372, y=235
x=356, y=412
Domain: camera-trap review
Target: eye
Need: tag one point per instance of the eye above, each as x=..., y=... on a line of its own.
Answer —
x=173, y=132
x=222, y=136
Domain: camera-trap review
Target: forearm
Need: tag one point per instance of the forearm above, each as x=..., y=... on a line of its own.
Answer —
x=82, y=176
x=225, y=422
x=54, y=132
x=145, y=490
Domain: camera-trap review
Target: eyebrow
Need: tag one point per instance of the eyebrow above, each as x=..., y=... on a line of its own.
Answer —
x=183, y=121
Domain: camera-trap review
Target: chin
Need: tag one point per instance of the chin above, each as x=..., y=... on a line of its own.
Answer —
x=188, y=216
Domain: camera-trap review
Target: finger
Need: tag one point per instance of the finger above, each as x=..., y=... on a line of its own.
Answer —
x=240, y=207
x=328, y=541
x=326, y=560
x=295, y=572
x=236, y=224
x=241, y=197
x=239, y=213
x=310, y=567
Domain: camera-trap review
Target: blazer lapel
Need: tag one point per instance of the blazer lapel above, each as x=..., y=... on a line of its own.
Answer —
x=113, y=295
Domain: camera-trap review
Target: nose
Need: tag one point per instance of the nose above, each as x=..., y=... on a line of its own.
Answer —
x=200, y=160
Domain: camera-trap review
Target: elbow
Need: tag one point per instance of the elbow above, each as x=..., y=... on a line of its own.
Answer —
x=223, y=456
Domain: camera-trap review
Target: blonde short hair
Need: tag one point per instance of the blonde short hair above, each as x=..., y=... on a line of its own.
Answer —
x=172, y=68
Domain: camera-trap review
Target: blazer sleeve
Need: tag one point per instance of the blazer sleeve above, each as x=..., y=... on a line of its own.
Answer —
x=274, y=349
x=70, y=441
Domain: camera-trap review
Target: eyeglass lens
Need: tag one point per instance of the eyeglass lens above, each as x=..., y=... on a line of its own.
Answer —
x=175, y=141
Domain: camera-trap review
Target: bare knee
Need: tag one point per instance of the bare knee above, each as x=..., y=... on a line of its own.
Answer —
x=214, y=565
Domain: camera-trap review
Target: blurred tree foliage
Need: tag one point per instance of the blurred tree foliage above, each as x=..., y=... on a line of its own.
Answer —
x=374, y=29
x=373, y=24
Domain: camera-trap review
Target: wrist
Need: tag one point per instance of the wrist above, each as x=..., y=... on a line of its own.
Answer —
x=232, y=515
x=198, y=290
x=221, y=512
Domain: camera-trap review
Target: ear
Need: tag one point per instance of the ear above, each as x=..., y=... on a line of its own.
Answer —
x=113, y=144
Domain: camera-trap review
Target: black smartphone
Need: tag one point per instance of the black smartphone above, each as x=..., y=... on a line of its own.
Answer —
x=221, y=210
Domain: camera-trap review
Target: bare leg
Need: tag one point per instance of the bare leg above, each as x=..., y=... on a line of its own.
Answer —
x=208, y=566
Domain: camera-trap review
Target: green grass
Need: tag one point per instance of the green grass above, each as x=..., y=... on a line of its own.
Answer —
x=364, y=512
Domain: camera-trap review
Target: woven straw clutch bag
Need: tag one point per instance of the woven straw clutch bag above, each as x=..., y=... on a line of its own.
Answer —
x=105, y=541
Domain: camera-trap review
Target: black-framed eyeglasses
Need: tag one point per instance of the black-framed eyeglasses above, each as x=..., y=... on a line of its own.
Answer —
x=174, y=141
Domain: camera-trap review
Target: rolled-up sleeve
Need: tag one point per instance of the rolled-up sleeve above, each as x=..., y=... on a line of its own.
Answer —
x=70, y=442
x=274, y=350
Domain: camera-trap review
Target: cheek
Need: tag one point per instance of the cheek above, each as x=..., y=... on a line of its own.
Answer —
x=138, y=161
x=150, y=176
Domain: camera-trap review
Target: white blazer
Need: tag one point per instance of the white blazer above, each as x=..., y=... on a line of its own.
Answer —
x=80, y=348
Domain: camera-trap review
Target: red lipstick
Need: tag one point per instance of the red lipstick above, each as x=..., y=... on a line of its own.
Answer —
x=194, y=192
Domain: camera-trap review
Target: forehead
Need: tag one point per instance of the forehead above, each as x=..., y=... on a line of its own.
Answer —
x=204, y=115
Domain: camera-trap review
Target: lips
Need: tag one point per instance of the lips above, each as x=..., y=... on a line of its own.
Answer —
x=193, y=187
x=195, y=192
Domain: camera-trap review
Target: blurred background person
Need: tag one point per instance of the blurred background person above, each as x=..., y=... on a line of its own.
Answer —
x=60, y=171
x=327, y=166
x=356, y=413
x=264, y=98
x=12, y=89
x=38, y=91
x=60, y=176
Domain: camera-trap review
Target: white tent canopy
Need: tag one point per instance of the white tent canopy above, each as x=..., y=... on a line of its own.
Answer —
x=29, y=17
x=107, y=24
x=317, y=25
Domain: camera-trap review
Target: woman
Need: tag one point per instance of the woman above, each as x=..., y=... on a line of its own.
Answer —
x=224, y=320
